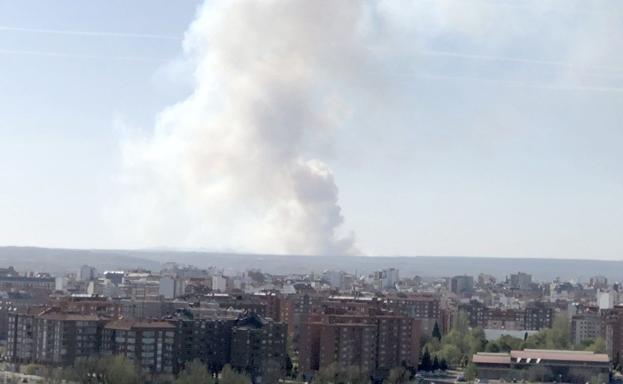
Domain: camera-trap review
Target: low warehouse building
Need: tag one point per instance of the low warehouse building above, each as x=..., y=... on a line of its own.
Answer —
x=543, y=365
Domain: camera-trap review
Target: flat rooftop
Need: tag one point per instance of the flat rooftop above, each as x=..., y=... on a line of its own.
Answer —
x=560, y=355
x=538, y=355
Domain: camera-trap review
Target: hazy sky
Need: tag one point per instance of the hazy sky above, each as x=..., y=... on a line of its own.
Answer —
x=486, y=128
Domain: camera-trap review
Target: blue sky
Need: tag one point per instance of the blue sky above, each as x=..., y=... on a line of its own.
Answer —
x=488, y=128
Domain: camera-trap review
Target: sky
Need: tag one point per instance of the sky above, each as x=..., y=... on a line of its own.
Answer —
x=447, y=127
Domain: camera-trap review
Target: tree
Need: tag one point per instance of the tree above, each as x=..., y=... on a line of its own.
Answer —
x=229, y=376
x=436, y=332
x=105, y=370
x=433, y=346
x=33, y=369
x=456, y=339
x=334, y=374
x=556, y=337
x=53, y=375
x=117, y=370
x=464, y=361
x=461, y=323
x=598, y=345
x=398, y=375
x=327, y=375
x=539, y=373
x=195, y=373
x=354, y=375
x=443, y=365
x=84, y=371
x=559, y=335
x=504, y=343
x=435, y=366
x=471, y=372
x=451, y=354
x=509, y=343
x=602, y=378
x=492, y=347
x=426, y=364
x=475, y=342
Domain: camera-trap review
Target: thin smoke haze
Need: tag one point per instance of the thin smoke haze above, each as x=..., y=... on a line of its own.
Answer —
x=232, y=166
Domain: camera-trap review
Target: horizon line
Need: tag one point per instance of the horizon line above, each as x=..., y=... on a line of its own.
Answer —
x=240, y=253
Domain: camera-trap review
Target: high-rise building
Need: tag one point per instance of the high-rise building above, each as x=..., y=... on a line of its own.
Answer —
x=538, y=315
x=398, y=342
x=606, y=300
x=585, y=326
x=335, y=279
x=374, y=343
x=612, y=331
x=389, y=278
x=21, y=336
x=150, y=344
x=59, y=338
x=521, y=281
x=52, y=336
x=534, y=317
x=208, y=340
x=87, y=273
x=348, y=344
x=219, y=283
x=258, y=347
x=424, y=307
x=462, y=285
x=171, y=286
x=599, y=281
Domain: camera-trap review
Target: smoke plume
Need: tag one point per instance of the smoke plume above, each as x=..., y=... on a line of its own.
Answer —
x=233, y=166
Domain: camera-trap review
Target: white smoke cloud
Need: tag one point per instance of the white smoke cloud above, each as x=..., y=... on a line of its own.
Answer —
x=232, y=166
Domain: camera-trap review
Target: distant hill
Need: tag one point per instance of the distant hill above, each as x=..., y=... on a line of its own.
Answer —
x=428, y=266
x=58, y=261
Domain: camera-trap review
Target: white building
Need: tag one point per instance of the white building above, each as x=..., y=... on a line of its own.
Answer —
x=606, y=300
x=390, y=278
x=171, y=287
x=385, y=279
x=87, y=273
x=219, y=283
x=60, y=283
x=167, y=287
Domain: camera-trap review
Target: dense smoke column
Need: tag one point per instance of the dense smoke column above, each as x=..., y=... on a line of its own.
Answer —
x=229, y=167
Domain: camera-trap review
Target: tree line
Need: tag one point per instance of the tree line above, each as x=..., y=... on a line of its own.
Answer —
x=457, y=347
x=119, y=370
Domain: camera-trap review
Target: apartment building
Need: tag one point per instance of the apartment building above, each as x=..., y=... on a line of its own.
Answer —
x=374, y=343
x=258, y=347
x=149, y=344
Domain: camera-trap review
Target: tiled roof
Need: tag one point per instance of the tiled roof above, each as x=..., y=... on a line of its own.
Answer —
x=68, y=316
x=120, y=324
x=127, y=325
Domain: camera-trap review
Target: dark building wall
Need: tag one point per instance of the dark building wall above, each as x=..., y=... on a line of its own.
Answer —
x=20, y=341
x=258, y=346
x=149, y=345
x=206, y=340
x=348, y=344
